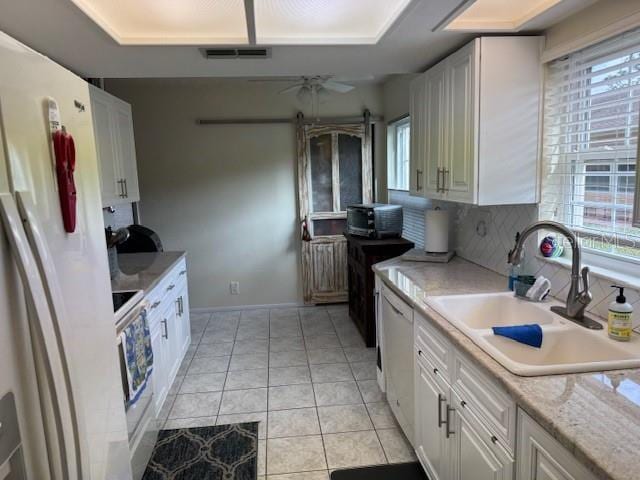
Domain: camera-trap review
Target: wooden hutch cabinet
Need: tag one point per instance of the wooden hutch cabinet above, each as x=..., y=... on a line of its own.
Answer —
x=362, y=254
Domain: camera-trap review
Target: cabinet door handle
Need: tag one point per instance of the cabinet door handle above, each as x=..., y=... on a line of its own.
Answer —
x=376, y=297
x=155, y=305
x=418, y=177
x=182, y=272
x=395, y=310
x=181, y=300
x=438, y=180
x=170, y=287
x=448, y=421
x=494, y=439
x=166, y=329
x=126, y=188
x=121, y=184
x=441, y=400
x=445, y=172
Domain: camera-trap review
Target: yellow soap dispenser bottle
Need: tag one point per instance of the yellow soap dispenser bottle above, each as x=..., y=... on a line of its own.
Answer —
x=620, y=312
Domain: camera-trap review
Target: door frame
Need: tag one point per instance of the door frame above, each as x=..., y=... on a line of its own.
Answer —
x=304, y=133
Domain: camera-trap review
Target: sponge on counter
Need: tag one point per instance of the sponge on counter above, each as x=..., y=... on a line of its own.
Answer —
x=527, y=334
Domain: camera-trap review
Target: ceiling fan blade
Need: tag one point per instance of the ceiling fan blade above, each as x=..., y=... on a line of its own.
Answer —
x=337, y=86
x=292, y=88
x=275, y=79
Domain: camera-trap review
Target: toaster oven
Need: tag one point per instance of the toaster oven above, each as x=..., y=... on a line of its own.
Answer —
x=376, y=220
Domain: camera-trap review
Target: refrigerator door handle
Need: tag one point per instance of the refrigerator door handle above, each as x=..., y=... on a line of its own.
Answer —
x=46, y=266
x=42, y=327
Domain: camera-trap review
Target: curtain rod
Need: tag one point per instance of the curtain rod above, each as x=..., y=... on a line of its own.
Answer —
x=284, y=120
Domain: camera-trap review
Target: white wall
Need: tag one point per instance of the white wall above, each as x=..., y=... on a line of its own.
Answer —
x=395, y=95
x=226, y=194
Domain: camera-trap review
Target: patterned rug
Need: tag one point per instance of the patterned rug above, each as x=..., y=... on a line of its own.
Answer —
x=224, y=452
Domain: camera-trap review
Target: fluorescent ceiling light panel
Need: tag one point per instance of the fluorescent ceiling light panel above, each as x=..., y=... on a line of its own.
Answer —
x=499, y=15
x=170, y=22
x=325, y=22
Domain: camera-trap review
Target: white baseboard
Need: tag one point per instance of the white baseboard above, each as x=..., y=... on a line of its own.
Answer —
x=247, y=307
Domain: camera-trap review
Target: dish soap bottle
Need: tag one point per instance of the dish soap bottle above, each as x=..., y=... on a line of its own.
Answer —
x=620, y=312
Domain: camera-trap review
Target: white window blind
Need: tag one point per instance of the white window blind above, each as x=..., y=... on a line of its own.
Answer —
x=591, y=118
x=398, y=155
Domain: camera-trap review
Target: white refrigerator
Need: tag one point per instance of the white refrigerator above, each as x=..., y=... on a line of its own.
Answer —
x=61, y=404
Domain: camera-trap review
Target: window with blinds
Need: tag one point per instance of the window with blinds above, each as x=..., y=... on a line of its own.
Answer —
x=591, y=119
x=398, y=155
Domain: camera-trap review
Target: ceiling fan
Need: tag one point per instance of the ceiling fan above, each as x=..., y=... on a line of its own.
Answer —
x=310, y=88
x=320, y=86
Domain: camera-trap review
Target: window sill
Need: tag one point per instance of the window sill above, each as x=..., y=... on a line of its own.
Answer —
x=614, y=276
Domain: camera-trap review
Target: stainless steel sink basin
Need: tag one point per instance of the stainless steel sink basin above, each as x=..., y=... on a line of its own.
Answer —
x=566, y=347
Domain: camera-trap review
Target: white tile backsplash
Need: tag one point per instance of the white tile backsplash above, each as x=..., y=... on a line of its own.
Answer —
x=121, y=217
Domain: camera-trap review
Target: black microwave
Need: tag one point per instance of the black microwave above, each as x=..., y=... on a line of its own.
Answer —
x=375, y=220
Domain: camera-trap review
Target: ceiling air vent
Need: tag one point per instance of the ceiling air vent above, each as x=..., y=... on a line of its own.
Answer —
x=236, y=52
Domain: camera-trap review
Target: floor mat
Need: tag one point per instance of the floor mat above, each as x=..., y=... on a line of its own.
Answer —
x=228, y=452
x=404, y=471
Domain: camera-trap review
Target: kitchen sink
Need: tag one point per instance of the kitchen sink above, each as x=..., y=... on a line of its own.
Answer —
x=491, y=310
x=566, y=347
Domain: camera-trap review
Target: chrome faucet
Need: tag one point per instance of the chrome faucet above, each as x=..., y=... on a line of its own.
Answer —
x=577, y=300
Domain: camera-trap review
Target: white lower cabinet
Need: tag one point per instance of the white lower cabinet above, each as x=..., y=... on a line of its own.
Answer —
x=541, y=457
x=170, y=329
x=477, y=453
x=464, y=425
x=158, y=345
x=451, y=442
x=430, y=439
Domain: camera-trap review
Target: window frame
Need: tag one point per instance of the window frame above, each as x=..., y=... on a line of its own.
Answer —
x=393, y=169
x=611, y=261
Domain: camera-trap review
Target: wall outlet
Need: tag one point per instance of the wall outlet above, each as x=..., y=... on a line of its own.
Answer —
x=234, y=288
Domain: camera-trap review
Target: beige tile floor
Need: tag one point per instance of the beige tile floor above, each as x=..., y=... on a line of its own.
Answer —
x=304, y=374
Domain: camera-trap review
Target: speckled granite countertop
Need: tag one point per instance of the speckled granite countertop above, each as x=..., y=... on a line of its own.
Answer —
x=143, y=271
x=596, y=416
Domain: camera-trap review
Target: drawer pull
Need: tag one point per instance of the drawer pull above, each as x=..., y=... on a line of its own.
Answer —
x=171, y=287
x=155, y=305
x=494, y=439
x=448, y=420
x=166, y=330
x=182, y=272
x=441, y=400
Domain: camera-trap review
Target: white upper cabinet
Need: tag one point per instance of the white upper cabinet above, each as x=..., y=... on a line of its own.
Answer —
x=417, y=114
x=475, y=134
x=433, y=136
x=113, y=129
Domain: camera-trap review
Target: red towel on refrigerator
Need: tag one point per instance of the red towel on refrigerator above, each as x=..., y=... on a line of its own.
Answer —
x=65, y=153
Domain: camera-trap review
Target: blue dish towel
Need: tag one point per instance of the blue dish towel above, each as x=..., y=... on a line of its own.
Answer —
x=527, y=334
x=138, y=356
